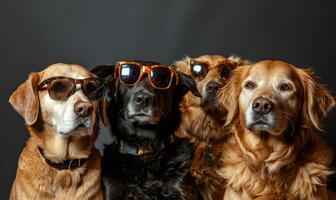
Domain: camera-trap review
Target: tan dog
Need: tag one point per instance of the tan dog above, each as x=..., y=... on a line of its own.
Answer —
x=59, y=160
x=273, y=108
x=203, y=118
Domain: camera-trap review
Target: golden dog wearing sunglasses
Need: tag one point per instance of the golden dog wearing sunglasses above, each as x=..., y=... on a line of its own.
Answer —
x=204, y=116
x=273, y=110
x=60, y=108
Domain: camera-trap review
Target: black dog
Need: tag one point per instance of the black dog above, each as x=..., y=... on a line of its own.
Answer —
x=145, y=161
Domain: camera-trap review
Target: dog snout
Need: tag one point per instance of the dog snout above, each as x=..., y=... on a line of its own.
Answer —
x=262, y=105
x=143, y=100
x=83, y=109
x=212, y=87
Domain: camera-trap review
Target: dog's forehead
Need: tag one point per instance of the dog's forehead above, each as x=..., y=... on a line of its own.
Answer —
x=271, y=70
x=68, y=70
x=212, y=59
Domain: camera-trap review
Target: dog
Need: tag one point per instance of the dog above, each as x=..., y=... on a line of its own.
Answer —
x=142, y=108
x=203, y=117
x=60, y=109
x=274, y=109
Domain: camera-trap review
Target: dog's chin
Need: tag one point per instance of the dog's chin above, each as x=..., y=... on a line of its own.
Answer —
x=77, y=130
x=260, y=126
x=143, y=119
x=210, y=103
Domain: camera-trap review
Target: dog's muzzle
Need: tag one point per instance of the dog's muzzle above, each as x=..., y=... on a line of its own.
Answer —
x=260, y=117
x=142, y=108
x=211, y=93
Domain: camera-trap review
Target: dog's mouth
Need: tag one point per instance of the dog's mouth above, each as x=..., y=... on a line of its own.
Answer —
x=260, y=125
x=81, y=126
x=144, y=119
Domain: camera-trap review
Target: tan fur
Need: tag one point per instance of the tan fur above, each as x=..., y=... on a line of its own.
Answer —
x=203, y=124
x=35, y=179
x=277, y=164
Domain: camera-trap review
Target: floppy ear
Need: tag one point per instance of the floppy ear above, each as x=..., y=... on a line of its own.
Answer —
x=106, y=72
x=103, y=112
x=230, y=95
x=103, y=71
x=186, y=83
x=25, y=99
x=317, y=99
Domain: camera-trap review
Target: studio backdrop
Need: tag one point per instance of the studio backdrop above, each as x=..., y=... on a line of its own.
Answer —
x=34, y=34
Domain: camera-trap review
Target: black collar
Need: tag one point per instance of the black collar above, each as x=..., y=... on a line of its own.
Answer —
x=125, y=148
x=64, y=165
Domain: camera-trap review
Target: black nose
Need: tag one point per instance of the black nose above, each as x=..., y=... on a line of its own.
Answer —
x=212, y=87
x=143, y=100
x=262, y=105
x=83, y=109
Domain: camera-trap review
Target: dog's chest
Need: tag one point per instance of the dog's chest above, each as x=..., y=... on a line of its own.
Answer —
x=132, y=169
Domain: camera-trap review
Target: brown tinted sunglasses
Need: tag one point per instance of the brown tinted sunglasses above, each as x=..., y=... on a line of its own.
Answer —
x=159, y=76
x=199, y=69
x=60, y=88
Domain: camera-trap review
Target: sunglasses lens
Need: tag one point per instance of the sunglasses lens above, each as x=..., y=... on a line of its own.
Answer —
x=199, y=69
x=129, y=73
x=94, y=89
x=161, y=76
x=61, y=89
x=225, y=71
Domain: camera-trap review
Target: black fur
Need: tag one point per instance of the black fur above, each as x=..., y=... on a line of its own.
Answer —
x=157, y=175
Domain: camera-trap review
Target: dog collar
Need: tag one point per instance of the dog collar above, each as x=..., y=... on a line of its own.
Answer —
x=64, y=165
x=125, y=148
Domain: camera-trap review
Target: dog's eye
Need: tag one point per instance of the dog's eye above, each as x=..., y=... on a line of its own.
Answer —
x=57, y=86
x=250, y=85
x=286, y=87
x=199, y=69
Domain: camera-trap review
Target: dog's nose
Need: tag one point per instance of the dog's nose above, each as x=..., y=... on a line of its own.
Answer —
x=143, y=100
x=212, y=87
x=262, y=105
x=83, y=109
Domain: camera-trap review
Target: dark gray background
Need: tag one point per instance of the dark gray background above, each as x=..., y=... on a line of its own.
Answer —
x=37, y=33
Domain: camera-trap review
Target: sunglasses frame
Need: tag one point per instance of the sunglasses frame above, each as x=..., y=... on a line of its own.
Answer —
x=81, y=82
x=145, y=69
x=193, y=62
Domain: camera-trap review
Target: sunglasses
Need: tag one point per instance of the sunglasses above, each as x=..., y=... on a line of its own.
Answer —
x=60, y=88
x=159, y=76
x=199, y=69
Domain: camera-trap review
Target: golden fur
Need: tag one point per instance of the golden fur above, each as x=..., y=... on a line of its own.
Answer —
x=284, y=160
x=202, y=122
x=35, y=179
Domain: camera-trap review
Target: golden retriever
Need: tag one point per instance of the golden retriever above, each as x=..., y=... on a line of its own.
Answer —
x=273, y=109
x=59, y=160
x=203, y=118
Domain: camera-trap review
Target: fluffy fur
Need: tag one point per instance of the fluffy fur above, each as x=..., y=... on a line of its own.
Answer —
x=35, y=179
x=160, y=174
x=202, y=122
x=280, y=158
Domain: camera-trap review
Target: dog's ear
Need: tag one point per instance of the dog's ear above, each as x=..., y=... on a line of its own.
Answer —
x=103, y=112
x=317, y=100
x=230, y=94
x=106, y=72
x=187, y=83
x=103, y=71
x=25, y=99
